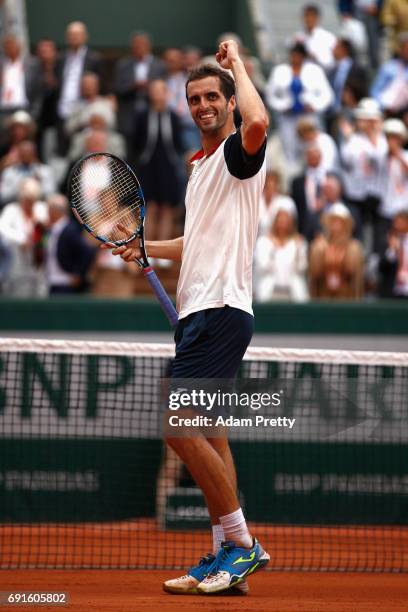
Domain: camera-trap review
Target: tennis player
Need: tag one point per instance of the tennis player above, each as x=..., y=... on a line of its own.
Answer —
x=214, y=296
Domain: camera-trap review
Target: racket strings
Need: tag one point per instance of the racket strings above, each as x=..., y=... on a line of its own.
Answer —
x=95, y=214
x=100, y=201
x=105, y=194
x=119, y=179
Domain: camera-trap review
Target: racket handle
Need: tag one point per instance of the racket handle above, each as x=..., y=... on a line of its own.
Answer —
x=165, y=301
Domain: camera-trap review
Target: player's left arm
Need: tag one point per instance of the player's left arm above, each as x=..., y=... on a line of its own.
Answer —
x=254, y=116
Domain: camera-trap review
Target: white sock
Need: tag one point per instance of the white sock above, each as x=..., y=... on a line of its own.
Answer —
x=235, y=528
x=218, y=537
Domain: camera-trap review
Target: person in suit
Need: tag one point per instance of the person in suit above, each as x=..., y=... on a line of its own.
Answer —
x=157, y=148
x=69, y=255
x=71, y=65
x=348, y=78
x=132, y=76
x=368, y=12
x=307, y=192
x=176, y=84
x=20, y=80
x=46, y=52
x=394, y=261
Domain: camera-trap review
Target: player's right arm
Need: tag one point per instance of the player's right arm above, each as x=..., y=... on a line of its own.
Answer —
x=162, y=249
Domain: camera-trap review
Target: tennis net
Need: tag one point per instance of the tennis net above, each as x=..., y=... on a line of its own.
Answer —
x=86, y=480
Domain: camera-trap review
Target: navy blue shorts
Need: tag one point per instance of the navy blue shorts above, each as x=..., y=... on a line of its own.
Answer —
x=211, y=343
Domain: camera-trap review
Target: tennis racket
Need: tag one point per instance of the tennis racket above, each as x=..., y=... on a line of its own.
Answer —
x=106, y=198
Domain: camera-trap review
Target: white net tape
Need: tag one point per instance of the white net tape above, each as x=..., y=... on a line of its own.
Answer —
x=138, y=349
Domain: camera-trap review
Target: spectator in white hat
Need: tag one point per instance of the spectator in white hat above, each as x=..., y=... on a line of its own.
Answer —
x=336, y=259
x=362, y=156
x=394, y=179
x=20, y=126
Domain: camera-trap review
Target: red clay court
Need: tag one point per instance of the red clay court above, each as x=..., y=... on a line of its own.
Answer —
x=134, y=590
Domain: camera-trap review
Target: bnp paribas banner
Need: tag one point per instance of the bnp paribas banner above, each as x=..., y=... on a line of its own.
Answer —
x=81, y=439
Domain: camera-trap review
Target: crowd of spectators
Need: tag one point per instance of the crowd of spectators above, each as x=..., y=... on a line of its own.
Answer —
x=334, y=213
x=340, y=113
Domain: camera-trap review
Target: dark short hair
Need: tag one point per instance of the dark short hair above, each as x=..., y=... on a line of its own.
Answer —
x=347, y=46
x=227, y=83
x=312, y=8
x=298, y=47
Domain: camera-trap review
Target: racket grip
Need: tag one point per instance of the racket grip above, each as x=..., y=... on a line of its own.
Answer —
x=165, y=301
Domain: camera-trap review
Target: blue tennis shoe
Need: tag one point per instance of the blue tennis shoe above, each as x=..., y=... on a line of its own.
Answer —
x=231, y=566
x=187, y=584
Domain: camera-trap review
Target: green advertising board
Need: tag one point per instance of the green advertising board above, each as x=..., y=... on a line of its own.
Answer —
x=80, y=440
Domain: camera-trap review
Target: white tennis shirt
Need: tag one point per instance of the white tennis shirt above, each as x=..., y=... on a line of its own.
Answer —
x=222, y=211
